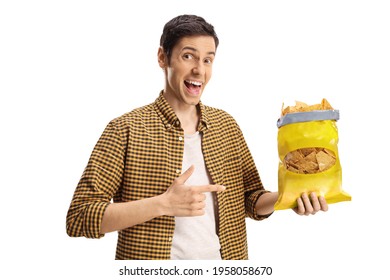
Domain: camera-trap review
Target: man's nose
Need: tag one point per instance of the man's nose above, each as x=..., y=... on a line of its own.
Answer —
x=199, y=68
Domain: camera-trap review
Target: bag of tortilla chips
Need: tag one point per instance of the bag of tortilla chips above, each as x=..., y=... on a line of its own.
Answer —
x=308, y=155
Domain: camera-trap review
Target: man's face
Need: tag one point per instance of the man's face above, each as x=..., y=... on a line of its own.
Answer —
x=189, y=69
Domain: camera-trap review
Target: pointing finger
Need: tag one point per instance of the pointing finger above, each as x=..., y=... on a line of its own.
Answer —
x=209, y=188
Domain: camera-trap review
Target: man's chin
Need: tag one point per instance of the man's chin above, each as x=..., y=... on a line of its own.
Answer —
x=191, y=99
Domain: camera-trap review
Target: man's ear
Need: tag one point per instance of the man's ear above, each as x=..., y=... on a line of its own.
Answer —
x=162, y=58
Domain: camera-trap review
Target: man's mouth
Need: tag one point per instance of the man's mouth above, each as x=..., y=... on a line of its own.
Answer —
x=193, y=87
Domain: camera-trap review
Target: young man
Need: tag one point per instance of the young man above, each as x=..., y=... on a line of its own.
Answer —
x=180, y=173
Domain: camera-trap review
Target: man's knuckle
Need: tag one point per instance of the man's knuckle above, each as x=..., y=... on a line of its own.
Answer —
x=192, y=190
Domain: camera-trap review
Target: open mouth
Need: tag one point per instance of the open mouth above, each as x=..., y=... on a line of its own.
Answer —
x=193, y=87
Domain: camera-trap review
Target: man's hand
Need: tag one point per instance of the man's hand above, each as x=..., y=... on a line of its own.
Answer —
x=312, y=205
x=183, y=200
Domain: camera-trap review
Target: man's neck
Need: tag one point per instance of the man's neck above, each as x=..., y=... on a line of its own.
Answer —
x=188, y=115
x=189, y=120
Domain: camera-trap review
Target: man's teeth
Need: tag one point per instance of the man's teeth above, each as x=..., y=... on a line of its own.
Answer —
x=194, y=83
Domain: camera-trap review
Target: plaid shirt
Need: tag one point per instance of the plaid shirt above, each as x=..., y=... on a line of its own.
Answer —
x=140, y=154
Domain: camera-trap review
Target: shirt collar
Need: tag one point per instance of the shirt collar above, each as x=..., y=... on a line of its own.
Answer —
x=169, y=118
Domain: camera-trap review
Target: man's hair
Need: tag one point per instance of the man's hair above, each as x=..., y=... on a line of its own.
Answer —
x=184, y=26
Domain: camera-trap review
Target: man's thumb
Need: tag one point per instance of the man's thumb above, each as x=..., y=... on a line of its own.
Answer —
x=186, y=174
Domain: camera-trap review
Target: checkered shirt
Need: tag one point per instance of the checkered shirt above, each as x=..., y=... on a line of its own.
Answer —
x=140, y=154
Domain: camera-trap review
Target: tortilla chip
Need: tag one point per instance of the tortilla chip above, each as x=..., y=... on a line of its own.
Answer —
x=309, y=160
x=307, y=151
x=311, y=157
x=325, y=105
x=325, y=161
x=303, y=107
x=292, y=169
x=294, y=156
x=330, y=153
x=307, y=166
x=300, y=105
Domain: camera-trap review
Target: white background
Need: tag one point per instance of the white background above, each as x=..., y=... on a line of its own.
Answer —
x=68, y=67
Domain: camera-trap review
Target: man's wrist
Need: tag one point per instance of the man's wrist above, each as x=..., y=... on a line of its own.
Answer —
x=266, y=202
x=161, y=205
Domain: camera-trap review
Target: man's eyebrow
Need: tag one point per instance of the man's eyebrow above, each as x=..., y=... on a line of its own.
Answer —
x=195, y=50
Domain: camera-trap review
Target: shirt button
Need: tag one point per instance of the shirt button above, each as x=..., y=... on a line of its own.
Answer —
x=178, y=171
x=180, y=138
x=170, y=238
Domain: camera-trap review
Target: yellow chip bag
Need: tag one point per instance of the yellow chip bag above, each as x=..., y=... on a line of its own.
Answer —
x=308, y=155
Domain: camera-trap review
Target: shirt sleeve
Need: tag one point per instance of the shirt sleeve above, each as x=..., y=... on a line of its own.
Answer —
x=98, y=184
x=252, y=182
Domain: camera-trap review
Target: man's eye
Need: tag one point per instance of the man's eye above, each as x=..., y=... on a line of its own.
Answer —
x=208, y=61
x=187, y=56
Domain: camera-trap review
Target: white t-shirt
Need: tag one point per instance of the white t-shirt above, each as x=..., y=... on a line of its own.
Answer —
x=195, y=238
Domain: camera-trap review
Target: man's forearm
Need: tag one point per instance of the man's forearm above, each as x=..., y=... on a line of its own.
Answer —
x=118, y=216
x=265, y=203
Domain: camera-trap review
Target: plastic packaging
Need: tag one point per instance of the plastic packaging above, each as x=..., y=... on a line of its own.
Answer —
x=309, y=158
